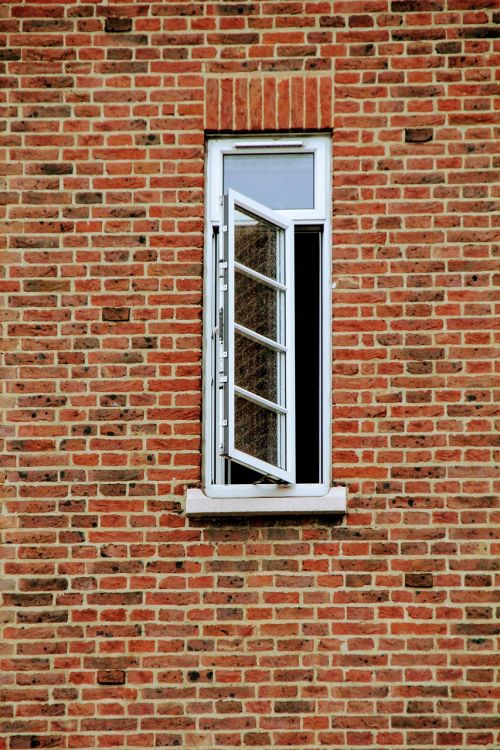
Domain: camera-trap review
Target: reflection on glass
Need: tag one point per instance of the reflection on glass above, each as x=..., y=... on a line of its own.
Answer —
x=256, y=368
x=256, y=430
x=276, y=180
x=256, y=244
x=255, y=306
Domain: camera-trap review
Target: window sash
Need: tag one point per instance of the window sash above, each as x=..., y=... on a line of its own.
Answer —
x=283, y=469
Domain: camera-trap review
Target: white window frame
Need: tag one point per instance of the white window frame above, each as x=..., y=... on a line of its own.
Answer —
x=228, y=499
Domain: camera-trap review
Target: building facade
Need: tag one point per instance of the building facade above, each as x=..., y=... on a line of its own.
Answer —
x=128, y=622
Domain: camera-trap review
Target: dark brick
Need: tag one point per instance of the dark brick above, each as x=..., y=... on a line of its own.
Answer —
x=111, y=677
x=449, y=48
x=116, y=314
x=29, y=600
x=117, y=25
x=45, y=584
x=418, y=135
x=416, y=6
x=237, y=9
x=419, y=580
x=46, y=285
x=23, y=741
x=89, y=198
x=59, y=168
x=474, y=32
x=336, y=22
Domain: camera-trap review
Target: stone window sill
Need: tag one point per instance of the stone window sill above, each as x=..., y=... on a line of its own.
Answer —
x=199, y=504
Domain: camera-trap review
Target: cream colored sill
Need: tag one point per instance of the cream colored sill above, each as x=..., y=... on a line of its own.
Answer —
x=199, y=504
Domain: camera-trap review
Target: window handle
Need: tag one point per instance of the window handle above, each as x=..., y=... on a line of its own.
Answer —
x=221, y=324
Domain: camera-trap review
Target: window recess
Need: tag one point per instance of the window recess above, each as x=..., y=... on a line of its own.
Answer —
x=267, y=322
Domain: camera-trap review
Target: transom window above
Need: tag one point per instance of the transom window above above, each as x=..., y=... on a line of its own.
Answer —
x=276, y=180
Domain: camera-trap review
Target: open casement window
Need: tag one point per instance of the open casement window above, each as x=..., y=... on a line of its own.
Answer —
x=257, y=339
x=267, y=327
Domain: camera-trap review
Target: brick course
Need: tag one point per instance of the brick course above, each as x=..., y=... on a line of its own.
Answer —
x=125, y=624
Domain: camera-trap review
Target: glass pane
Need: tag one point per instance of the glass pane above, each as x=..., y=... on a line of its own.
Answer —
x=276, y=180
x=256, y=368
x=256, y=244
x=256, y=306
x=256, y=430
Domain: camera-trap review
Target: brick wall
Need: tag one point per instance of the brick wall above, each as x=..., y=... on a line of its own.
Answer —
x=125, y=624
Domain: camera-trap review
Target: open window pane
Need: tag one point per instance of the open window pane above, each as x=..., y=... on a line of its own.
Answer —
x=256, y=431
x=255, y=435
x=256, y=306
x=256, y=368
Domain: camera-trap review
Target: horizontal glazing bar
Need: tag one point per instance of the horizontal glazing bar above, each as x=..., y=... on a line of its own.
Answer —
x=259, y=277
x=261, y=339
x=259, y=400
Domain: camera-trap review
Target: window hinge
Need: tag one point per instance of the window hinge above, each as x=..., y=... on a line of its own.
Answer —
x=224, y=228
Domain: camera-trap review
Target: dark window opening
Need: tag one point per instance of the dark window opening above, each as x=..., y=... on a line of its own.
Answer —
x=307, y=355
